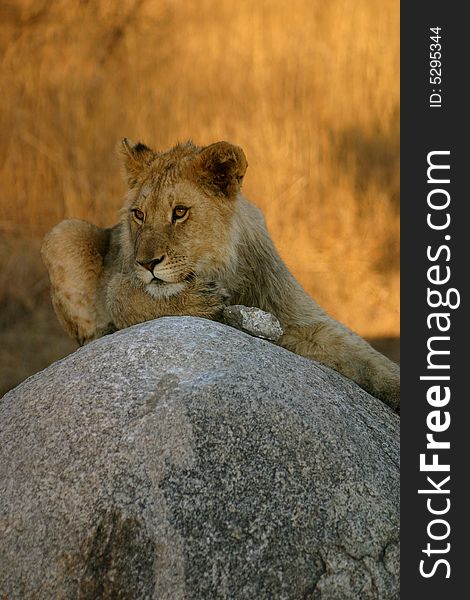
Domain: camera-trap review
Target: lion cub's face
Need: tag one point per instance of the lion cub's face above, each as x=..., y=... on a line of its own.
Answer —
x=178, y=221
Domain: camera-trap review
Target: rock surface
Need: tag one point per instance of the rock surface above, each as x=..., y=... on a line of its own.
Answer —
x=182, y=459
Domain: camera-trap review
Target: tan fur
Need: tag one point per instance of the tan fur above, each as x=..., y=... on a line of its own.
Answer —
x=108, y=279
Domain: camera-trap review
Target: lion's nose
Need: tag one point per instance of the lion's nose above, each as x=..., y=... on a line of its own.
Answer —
x=151, y=264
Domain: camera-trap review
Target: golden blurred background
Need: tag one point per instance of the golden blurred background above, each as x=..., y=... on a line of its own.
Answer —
x=309, y=89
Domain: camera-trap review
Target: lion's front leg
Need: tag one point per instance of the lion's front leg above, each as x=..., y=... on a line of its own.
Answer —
x=74, y=253
x=335, y=346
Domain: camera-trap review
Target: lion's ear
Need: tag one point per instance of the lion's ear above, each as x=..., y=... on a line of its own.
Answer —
x=135, y=158
x=221, y=167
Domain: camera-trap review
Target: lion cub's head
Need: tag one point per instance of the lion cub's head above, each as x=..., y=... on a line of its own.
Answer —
x=178, y=221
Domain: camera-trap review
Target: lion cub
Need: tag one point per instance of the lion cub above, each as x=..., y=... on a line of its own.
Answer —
x=187, y=237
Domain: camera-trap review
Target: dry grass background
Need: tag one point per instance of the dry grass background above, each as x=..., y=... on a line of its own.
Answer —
x=308, y=88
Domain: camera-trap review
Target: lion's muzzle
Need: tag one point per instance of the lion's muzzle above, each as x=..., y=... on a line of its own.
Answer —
x=151, y=264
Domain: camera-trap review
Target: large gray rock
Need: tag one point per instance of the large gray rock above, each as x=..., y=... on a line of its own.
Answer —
x=184, y=459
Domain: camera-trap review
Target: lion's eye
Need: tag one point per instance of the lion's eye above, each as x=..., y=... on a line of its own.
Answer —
x=179, y=212
x=138, y=214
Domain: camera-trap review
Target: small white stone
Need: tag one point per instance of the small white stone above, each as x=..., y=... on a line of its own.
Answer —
x=254, y=321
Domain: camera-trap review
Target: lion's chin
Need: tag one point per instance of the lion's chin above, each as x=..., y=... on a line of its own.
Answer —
x=164, y=289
